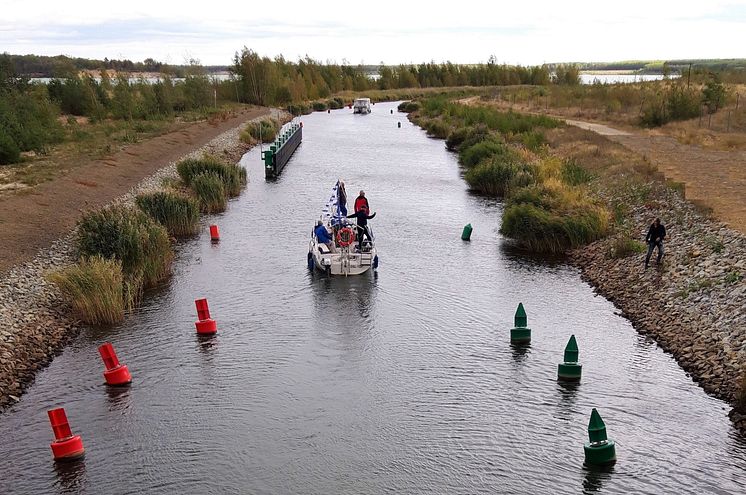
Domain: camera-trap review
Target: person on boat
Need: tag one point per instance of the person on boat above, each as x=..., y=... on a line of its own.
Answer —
x=342, y=198
x=361, y=202
x=656, y=234
x=323, y=236
x=362, y=225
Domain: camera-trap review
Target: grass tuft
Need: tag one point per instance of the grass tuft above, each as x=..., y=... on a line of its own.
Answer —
x=94, y=289
x=178, y=213
x=210, y=191
x=232, y=176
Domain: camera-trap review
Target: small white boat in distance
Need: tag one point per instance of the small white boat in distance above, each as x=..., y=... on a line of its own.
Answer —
x=345, y=258
x=361, y=105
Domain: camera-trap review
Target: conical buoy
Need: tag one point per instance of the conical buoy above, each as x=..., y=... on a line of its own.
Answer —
x=520, y=334
x=570, y=370
x=66, y=446
x=116, y=374
x=214, y=233
x=205, y=325
x=599, y=450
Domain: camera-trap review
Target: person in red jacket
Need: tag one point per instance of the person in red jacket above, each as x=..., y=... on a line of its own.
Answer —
x=361, y=202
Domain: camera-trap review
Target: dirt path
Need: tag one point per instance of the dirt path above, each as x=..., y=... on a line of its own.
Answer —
x=34, y=219
x=716, y=179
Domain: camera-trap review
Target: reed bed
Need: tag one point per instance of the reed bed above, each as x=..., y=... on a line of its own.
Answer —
x=232, y=176
x=210, y=191
x=178, y=213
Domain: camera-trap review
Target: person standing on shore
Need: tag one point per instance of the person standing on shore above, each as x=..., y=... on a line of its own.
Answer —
x=656, y=234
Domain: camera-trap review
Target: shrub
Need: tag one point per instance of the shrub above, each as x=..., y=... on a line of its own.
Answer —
x=497, y=176
x=210, y=191
x=532, y=140
x=335, y=103
x=232, y=176
x=129, y=236
x=624, y=246
x=9, y=151
x=408, y=106
x=264, y=130
x=94, y=289
x=178, y=213
x=437, y=128
x=474, y=154
x=318, y=106
x=475, y=135
x=553, y=231
x=573, y=174
x=456, y=137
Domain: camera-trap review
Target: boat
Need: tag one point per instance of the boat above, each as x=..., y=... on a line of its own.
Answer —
x=361, y=105
x=346, y=259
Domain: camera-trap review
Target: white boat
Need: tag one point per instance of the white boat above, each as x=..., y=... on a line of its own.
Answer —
x=347, y=258
x=361, y=105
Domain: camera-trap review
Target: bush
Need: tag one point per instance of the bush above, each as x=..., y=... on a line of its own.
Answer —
x=9, y=151
x=532, y=140
x=335, y=103
x=574, y=175
x=129, y=236
x=264, y=130
x=474, y=154
x=456, y=137
x=178, y=213
x=624, y=246
x=437, y=128
x=318, y=106
x=497, y=176
x=408, y=106
x=210, y=191
x=553, y=231
x=232, y=176
x=94, y=289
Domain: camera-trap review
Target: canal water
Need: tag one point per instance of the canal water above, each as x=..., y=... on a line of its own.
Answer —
x=404, y=382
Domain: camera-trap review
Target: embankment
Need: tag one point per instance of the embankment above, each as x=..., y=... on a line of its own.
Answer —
x=35, y=323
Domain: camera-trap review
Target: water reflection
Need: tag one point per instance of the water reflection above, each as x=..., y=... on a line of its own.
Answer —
x=71, y=476
x=595, y=477
x=520, y=352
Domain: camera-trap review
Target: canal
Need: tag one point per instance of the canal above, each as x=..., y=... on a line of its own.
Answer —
x=404, y=382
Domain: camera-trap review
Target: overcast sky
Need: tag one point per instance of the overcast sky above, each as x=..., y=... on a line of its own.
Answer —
x=462, y=31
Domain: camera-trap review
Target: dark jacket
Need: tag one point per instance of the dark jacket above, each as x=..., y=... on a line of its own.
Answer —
x=655, y=233
x=362, y=217
x=360, y=202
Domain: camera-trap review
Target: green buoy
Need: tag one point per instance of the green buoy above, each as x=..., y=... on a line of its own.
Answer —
x=466, y=234
x=520, y=334
x=570, y=370
x=599, y=451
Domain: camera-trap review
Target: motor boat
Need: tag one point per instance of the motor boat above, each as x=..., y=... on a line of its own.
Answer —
x=344, y=257
x=361, y=105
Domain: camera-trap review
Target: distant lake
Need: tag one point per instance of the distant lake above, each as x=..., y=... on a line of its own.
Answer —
x=621, y=78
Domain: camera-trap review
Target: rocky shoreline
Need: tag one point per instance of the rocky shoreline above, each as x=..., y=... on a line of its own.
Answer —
x=35, y=322
x=694, y=304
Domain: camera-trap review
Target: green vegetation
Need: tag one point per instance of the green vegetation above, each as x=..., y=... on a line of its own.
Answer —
x=210, y=190
x=625, y=246
x=233, y=177
x=548, y=207
x=131, y=237
x=93, y=288
x=265, y=131
x=178, y=213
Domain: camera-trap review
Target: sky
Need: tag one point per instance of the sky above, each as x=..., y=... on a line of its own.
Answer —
x=523, y=32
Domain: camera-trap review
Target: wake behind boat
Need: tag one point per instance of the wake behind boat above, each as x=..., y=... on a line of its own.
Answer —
x=335, y=246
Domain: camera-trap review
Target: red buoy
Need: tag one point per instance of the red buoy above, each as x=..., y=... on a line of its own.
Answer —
x=214, y=233
x=66, y=446
x=205, y=325
x=116, y=374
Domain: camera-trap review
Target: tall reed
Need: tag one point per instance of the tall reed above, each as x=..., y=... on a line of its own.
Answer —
x=210, y=191
x=93, y=287
x=178, y=213
x=232, y=176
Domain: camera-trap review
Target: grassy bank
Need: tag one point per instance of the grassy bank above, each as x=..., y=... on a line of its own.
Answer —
x=504, y=154
x=124, y=250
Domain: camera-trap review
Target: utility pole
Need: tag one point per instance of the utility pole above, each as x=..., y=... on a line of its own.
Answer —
x=689, y=77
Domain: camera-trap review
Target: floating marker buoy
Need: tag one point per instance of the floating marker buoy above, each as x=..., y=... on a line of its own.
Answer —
x=599, y=450
x=328, y=111
x=520, y=334
x=116, y=374
x=205, y=325
x=466, y=233
x=214, y=233
x=398, y=124
x=392, y=111
x=66, y=446
x=570, y=370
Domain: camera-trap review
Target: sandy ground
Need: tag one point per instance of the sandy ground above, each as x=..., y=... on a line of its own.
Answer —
x=34, y=219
